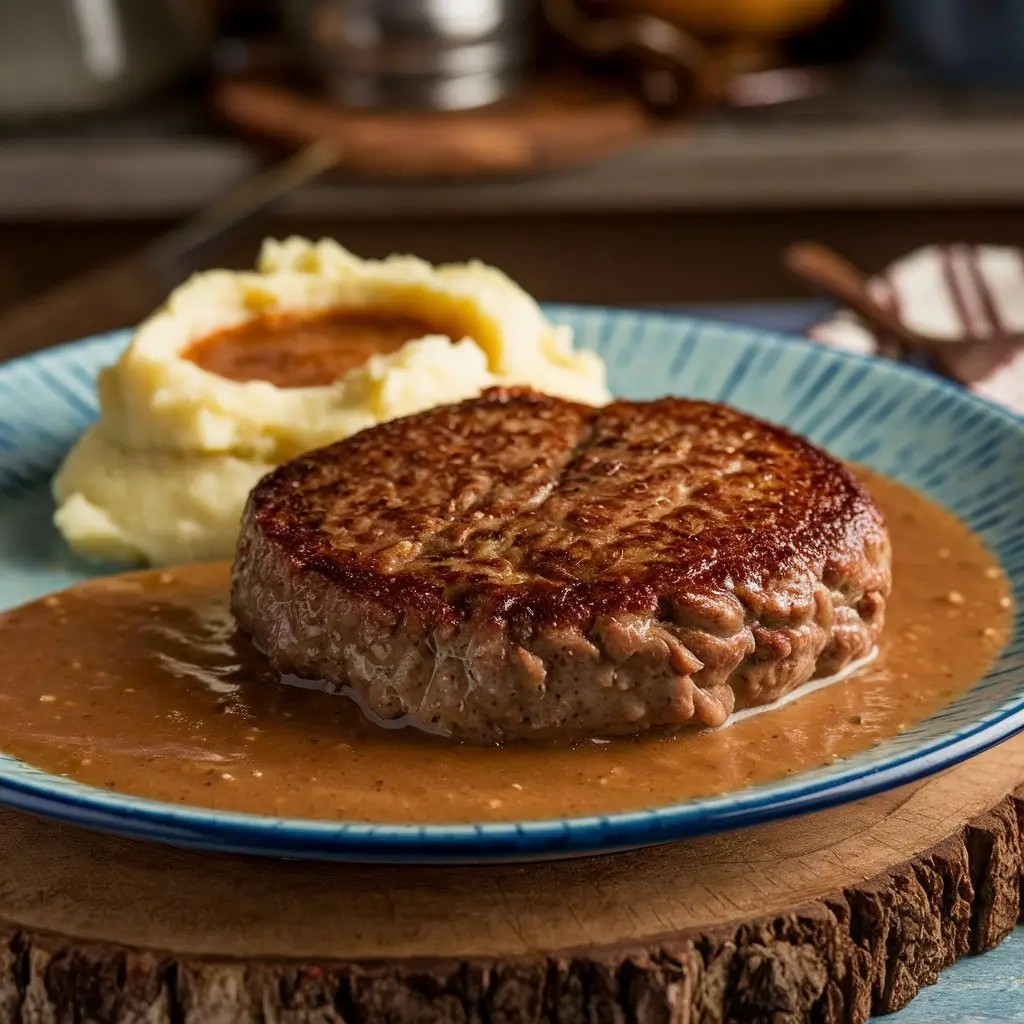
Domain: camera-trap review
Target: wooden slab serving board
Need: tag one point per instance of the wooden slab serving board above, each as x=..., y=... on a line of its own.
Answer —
x=828, y=917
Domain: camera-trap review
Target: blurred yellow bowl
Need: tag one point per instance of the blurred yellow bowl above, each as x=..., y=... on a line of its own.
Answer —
x=763, y=18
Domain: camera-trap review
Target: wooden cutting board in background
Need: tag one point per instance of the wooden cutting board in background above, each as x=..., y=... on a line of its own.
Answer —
x=556, y=124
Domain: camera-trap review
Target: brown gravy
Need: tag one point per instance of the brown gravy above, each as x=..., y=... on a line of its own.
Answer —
x=298, y=351
x=139, y=684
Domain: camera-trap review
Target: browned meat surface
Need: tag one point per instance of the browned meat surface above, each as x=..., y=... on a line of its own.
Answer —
x=520, y=566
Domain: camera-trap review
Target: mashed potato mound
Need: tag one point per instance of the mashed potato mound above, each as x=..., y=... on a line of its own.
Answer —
x=124, y=505
x=164, y=475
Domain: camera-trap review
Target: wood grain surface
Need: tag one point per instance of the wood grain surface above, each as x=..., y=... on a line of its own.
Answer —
x=827, y=917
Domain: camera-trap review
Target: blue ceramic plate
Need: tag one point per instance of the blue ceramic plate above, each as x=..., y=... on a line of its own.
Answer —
x=956, y=449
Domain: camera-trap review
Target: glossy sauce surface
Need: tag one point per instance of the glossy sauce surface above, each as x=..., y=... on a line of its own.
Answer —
x=139, y=684
x=301, y=351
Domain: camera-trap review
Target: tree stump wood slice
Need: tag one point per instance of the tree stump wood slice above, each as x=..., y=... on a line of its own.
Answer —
x=828, y=917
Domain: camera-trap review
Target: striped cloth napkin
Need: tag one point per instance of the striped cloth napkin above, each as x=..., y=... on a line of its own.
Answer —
x=951, y=291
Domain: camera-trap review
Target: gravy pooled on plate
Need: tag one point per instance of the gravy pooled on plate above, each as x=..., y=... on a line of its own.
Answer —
x=140, y=684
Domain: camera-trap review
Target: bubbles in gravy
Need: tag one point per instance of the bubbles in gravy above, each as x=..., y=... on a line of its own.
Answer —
x=140, y=684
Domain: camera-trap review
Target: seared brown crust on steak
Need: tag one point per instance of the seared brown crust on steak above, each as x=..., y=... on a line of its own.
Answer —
x=518, y=565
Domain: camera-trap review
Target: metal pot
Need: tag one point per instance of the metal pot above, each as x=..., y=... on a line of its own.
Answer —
x=72, y=57
x=418, y=54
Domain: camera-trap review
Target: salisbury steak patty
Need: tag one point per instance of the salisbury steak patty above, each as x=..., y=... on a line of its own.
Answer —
x=519, y=565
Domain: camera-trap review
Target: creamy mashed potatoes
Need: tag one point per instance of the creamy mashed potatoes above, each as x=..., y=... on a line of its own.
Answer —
x=164, y=474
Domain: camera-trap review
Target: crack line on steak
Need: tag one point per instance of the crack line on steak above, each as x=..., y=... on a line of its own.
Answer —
x=530, y=505
x=583, y=447
x=584, y=444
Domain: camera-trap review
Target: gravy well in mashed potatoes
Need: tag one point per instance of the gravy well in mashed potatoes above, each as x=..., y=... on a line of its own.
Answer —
x=295, y=351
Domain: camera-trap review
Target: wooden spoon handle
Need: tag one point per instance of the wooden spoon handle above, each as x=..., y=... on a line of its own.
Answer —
x=825, y=269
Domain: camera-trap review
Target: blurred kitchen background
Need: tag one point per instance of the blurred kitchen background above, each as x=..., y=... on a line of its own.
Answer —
x=605, y=151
